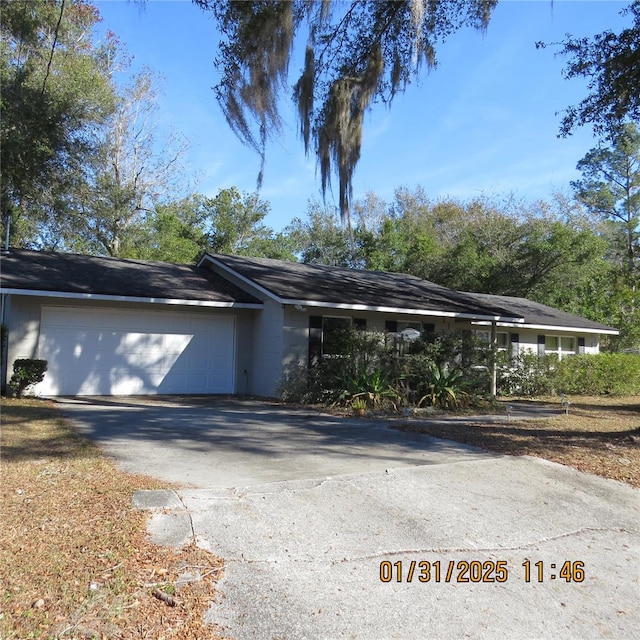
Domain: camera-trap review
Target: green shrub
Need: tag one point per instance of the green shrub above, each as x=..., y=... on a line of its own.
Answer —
x=386, y=371
x=528, y=374
x=444, y=388
x=26, y=372
x=374, y=388
x=447, y=370
x=599, y=374
x=300, y=385
x=588, y=374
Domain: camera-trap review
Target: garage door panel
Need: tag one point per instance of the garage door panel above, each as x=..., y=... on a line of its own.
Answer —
x=133, y=342
x=121, y=352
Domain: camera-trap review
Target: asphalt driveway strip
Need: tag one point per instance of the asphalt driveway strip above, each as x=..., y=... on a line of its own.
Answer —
x=340, y=528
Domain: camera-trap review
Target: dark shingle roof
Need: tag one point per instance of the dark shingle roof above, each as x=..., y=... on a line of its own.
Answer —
x=339, y=285
x=342, y=286
x=539, y=314
x=81, y=274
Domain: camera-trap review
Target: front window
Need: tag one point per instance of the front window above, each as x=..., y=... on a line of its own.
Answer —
x=410, y=331
x=502, y=339
x=332, y=328
x=560, y=345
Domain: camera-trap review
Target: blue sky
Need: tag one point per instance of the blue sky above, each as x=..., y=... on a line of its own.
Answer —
x=484, y=122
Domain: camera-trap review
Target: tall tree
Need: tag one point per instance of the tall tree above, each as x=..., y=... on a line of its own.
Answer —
x=132, y=170
x=611, y=64
x=321, y=239
x=235, y=226
x=55, y=90
x=357, y=52
x=610, y=188
x=172, y=232
x=553, y=251
x=231, y=222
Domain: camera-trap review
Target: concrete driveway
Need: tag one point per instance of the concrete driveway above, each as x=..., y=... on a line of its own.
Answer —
x=209, y=442
x=346, y=529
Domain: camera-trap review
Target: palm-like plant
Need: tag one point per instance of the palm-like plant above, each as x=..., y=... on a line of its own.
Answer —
x=445, y=387
x=372, y=388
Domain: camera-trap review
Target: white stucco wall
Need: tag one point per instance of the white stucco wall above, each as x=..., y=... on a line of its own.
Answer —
x=267, y=350
x=294, y=342
x=296, y=327
x=296, y=330
x=267, y=340
x=529, y=339
x=22, y=318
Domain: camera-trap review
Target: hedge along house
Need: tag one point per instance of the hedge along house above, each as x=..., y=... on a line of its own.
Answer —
x=233, y=324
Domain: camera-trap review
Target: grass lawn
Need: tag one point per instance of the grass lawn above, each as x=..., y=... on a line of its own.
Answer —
x=75, y=561
x=600, y=435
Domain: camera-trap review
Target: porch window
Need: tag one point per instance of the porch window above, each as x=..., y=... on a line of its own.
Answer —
x=324, y=335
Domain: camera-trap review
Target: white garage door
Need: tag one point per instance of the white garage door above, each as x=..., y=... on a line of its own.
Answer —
x=123, y=352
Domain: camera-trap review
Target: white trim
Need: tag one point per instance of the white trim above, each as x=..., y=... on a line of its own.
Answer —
x=552, y=327
x=112, y=298
x=395, y=310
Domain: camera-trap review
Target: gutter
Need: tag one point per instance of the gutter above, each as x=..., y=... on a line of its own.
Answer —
x=396, y=310
x=552, y=327
x=148, y=300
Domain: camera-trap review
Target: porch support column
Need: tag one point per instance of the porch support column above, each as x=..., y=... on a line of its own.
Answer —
x=494, y=363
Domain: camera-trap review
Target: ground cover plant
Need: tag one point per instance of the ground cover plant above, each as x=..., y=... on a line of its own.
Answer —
x=599, y=434
x=26, y=372
x=75, y=560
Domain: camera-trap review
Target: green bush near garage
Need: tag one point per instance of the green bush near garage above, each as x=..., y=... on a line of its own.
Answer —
x=26, y=372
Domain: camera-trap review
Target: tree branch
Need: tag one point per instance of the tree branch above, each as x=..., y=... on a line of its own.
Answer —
x=53, y=48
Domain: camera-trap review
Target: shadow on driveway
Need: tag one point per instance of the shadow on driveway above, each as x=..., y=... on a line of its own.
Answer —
x=212, y=442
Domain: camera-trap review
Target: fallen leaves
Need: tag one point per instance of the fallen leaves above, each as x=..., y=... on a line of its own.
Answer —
x=599, y=436
x=75, y=558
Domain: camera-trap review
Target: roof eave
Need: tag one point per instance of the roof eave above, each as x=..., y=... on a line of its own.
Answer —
x=591, y=330
x=559, y=327
x=147, y=300
x=231, y=271
x=396, y=310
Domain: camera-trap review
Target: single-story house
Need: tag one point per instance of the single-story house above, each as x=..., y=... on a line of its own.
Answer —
x=233, y=324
